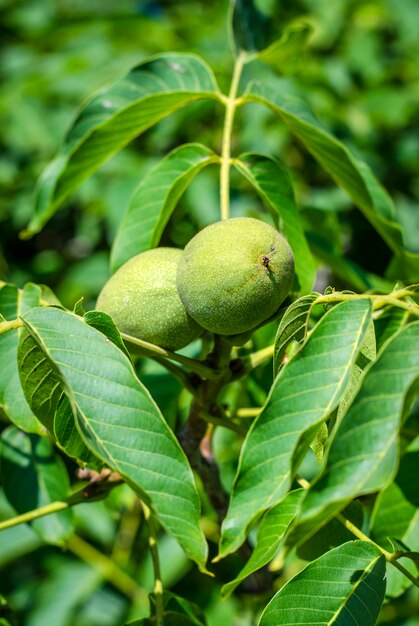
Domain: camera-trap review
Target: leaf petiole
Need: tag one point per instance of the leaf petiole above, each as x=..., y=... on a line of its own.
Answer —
x=10, y=325
x=231, y=105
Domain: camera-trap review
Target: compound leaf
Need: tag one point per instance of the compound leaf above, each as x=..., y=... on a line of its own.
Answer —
x=272, y=181
x=110, y=120
x=119, y=421
x=344, y=586
x=304, y=393
x=154, y=200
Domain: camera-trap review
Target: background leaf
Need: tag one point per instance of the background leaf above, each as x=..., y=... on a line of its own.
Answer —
x=250, y=27
x=119, y=421
x=272, y=181
x=148, y=93
x=34, y=476
x=61, y=593
x=363, y=457
x=344, y=586
x=302, y=396
x=154, y=200
x=285, y=54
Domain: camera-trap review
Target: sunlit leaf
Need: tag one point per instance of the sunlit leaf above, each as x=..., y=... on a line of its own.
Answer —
x=154, y=200
x=344, y=586
x=148, y=93
x=304, y=393
x=363, y=457
x=119, y=421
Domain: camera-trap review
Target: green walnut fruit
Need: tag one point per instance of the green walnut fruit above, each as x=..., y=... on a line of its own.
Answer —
x=143, y=300
x=234, y=274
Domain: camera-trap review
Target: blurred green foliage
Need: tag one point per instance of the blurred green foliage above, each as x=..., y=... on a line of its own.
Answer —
x=361, y=77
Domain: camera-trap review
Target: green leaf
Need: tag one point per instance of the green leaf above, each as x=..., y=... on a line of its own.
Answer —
x=120, y=422
x=304, y=393
x=105, y=324
x=367, y=355
x=16, y=541
x=363, y=457
x=393, y=516
x=344, y=586
x=285, y=54
x=60, y=593
x=110, y=120
x=271, y=531
x=333, y=534
x=40, y=380
x=67, y=435
x=154, y=200
x=352, y=175
x=249, y=27
x=14, y=302
x=272, y=181
x=34, y=476
x=388, y=323
x=42, y=387
x=180, y=612
x=395, y=521
x=292, y=327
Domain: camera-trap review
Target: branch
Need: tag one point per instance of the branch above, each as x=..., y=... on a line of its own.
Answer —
x=161, y=354
x=391, y=557
x=10, y=325
x=357, y=532
x=98, y=488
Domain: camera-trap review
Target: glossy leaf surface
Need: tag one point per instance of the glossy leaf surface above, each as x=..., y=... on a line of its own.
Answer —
x=343, y=587
x=119, y=421
x=302, y=396
x=363, y=457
